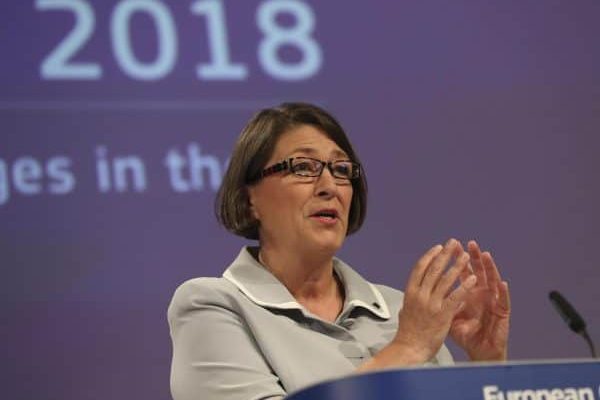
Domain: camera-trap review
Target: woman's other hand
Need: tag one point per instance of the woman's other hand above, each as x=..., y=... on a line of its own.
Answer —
x=481, y=327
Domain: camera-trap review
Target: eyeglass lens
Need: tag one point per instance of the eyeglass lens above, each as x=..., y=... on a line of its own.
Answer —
x=311, y=167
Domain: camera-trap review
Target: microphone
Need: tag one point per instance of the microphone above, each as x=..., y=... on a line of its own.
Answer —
x=571, y=317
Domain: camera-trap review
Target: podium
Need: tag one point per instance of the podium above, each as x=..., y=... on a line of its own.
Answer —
x=544, y=380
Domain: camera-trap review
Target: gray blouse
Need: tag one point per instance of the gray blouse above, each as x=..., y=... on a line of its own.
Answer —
x=244, y=336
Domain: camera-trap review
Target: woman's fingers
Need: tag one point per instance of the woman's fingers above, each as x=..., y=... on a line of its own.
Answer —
x=504, y=297
x=438, y=264
x=477, y=263
x=416, y=276
x=447, y=281
x=455, y=300
x=430, y=302
x=491, y=270
x=433, y=280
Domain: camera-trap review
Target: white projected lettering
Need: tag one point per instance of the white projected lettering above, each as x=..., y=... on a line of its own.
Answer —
x=29, y=176
x=166, y=36
x=119, y=173
x=189, y=169
x=58, y=65
x=62, y=180
x=221, y=66
x=298, y=36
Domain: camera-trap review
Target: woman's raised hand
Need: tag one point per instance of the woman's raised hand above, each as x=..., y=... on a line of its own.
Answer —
x=432, y=300
x=454, y=292
x=481, y=327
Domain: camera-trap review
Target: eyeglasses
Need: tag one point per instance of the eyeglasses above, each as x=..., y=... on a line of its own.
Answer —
x=311, y=167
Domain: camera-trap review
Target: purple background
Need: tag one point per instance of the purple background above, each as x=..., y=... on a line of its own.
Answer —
x=472, y=119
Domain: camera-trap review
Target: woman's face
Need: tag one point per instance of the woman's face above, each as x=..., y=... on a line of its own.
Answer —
x=291, y=208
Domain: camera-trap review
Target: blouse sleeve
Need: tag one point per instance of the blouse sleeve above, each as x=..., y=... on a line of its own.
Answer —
x=214, y=353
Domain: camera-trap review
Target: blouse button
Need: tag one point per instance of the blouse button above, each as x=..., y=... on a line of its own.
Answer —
x=348, y=323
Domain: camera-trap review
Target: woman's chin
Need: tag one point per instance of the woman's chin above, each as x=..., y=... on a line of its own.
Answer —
x=326, y=245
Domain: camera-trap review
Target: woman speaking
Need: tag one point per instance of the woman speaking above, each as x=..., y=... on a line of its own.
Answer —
x=288, y=313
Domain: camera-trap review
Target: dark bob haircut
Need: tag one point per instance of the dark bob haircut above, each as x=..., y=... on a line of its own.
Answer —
x=253, y=150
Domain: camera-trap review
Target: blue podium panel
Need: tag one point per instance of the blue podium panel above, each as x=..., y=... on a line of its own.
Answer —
x=573, y=380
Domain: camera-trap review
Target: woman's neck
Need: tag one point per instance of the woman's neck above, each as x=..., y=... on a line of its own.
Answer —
x=310, y=279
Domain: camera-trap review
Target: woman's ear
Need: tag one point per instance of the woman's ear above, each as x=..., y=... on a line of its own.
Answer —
x=252, y=202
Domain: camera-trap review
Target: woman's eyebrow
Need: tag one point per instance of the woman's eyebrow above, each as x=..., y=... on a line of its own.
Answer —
x=310, y=151
x=340, y=154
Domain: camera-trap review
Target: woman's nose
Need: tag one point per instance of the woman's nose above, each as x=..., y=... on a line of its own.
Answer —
x=325, y=185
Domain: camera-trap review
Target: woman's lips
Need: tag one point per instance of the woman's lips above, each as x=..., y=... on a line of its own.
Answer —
x=326, y=216
x=324, y=219
x=326, y=212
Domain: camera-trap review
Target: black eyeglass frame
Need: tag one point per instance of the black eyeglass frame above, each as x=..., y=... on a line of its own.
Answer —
x=286, y=165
